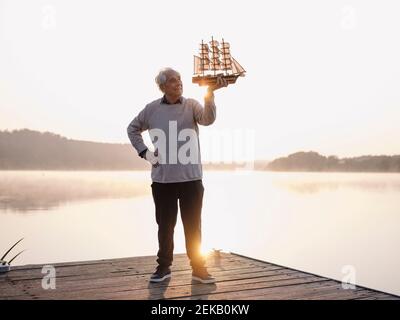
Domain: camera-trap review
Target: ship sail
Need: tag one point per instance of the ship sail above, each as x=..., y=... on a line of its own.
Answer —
x=226, y=56
x=215, y=52
x=237, y=68
x=205, y=60
x=197, y=65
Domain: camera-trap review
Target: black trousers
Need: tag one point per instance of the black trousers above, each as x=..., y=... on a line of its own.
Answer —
x=190, y=196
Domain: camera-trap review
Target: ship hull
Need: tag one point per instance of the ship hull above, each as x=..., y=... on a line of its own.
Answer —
x=211, y=79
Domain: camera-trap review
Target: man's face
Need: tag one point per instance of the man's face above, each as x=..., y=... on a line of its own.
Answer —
x=173, y=87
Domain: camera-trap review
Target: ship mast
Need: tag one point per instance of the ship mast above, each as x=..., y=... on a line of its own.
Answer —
x=226, y=57
x=223, y=57
x=202, y=56
x=213, y=54
x=216, y=63
x=204, y=59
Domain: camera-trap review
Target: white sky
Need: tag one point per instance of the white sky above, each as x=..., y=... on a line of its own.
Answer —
x=321, y=75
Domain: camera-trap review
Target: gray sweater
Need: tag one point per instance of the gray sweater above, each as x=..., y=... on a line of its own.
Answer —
x=166, y=117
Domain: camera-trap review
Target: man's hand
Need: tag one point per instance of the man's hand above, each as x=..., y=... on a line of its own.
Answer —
x=153, y=157
x=221, y=83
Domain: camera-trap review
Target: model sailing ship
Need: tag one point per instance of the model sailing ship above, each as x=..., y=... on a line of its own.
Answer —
x=215, y=61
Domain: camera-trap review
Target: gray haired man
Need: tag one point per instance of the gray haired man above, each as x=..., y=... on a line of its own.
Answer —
x=176, y=171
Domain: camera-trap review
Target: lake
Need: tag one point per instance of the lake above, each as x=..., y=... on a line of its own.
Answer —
x=323, y=223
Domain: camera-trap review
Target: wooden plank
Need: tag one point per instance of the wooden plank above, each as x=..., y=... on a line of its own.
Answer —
x=210, y=291
x=150, y=260
x=359, y=287
x=238, y=277
x=112, y=268
x=104, y=273
x=141, y=281
x=325, y=289
x=284, y=290
x=336, y=291
x=173, y=291
x=74, y=282
x=377, y=296
x=136, y=260
x=132, y=276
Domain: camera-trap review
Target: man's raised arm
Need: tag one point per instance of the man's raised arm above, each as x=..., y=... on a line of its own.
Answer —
x=205, y=116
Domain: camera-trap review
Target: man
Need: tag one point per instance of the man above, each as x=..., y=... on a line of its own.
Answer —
x=175, y=175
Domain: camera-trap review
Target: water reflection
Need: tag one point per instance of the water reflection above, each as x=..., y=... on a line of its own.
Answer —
x=29, y=191
x=310, y=183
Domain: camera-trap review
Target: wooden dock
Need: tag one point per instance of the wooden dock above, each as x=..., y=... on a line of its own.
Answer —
x=238, y=277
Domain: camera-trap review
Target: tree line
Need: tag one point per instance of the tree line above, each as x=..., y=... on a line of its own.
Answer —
x=313, y=161
x=33, y=150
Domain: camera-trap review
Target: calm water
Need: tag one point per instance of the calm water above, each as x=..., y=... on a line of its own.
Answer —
x=316, y=222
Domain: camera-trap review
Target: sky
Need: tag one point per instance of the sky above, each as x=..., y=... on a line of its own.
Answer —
x=320, y=75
